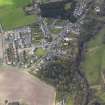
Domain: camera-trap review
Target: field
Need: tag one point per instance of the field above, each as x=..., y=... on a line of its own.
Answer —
x=12, y=14
x=95, y=58
x=40, y=52
x=70, y=101
x=95, y=62
x=17, y=85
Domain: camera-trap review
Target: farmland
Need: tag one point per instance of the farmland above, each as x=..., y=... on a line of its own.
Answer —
x=94, y=58
x=94, y=63
x=12, y=14
x=30, y=90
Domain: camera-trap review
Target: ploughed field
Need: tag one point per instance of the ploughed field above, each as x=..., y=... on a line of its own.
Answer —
x=12, y=14
x=17, y=85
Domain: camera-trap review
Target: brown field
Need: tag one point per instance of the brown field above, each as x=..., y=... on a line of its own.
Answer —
x=15, y=85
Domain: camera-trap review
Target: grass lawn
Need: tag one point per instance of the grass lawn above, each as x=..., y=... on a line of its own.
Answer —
x=40, y=52
x=56, y=31
x=70, y=101
x=95, y=62
x=12, y=14
x=95, y=58
x=101, y=95
x=67, y=6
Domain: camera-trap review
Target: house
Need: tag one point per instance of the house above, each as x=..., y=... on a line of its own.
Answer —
x=15, y=42
x=97, y=9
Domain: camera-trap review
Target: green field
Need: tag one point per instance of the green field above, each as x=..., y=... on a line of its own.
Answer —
x=70, y=101
x=12, y=14
x=95, y=62
x=40, y=52
x=95, y=58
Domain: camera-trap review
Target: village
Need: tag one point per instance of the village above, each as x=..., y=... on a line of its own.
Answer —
x=18, y=49
x=55, y=37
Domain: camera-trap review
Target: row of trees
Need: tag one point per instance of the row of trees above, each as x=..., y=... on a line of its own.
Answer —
x=90, y=27
x=58, y=73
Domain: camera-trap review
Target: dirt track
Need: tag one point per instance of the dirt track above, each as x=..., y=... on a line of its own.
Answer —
x=16, y=85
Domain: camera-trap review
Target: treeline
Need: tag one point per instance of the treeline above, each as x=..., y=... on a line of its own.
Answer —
x=58, y=73
x=57, y=10
x=89, y=29
x=64, y=76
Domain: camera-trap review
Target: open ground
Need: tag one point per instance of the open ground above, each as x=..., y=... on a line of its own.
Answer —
x=12, y=14
x=17, y=85
x=95, y=58
x=94, y=62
